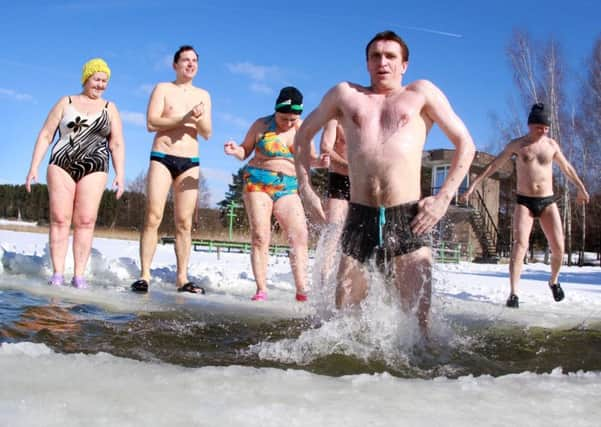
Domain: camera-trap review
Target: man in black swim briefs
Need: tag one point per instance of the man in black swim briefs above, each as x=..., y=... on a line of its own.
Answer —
x=534, y=155
x=385, y=126
x=178, y=112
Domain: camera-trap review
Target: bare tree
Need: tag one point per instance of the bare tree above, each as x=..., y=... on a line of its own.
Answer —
x=589, y=131
x=138, y=184
x=204, y=194
x=521, y=56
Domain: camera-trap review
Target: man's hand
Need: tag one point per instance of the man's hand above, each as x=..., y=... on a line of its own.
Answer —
x=465, y=197
x=313, y=206
x=430, y=211
x=583, y=197
x=194, y=114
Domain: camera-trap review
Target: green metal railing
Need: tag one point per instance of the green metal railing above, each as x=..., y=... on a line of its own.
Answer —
x=443, y=252
x=218, y=245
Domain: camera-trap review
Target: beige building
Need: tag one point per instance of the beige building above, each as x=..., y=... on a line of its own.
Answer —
x=474, y=229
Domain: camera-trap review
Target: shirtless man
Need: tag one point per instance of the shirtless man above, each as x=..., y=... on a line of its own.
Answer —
x=385, y=126
x=535, y=154
x=338, y=193
x=333, y=145
x=178, y=112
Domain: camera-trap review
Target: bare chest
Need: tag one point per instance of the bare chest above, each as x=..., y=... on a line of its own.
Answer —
x=178, y=102
x=380, y=117
x=535, y=154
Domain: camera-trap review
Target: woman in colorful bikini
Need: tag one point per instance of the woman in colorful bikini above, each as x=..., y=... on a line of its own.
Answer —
x=270, y=186
x=89, y=127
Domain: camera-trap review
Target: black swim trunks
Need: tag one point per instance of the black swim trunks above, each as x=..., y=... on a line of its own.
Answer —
x=381, y=232
x=339, y=186
x=536, y=205
x=175, y=165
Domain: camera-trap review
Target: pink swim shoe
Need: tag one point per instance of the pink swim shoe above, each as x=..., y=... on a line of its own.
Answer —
x=301, y=297
x=259, y=296
x=79, y=282
x=57, y=279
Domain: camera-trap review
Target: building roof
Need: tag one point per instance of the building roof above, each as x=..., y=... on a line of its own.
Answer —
x=444, y=156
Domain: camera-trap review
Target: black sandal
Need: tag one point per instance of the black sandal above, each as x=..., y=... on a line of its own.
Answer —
x=513, y=301
x=192, y=288
x=140, y=286
x=558, y=294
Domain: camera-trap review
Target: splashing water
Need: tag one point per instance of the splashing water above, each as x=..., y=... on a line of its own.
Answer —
x=378, y=329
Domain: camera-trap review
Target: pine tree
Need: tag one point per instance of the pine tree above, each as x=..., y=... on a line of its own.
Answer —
x=234, y=195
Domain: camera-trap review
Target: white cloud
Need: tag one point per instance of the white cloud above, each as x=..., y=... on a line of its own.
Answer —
x=131, y=117
x=234, y=120
x=255, y=72
x=261, y=88
x=16, y=95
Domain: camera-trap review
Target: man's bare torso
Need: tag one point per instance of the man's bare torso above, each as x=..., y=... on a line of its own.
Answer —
x=385, y=136
x=177, y=101
x=534, y=165
x=340, y=149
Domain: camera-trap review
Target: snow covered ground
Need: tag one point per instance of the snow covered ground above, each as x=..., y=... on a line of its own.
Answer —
x=44, y=387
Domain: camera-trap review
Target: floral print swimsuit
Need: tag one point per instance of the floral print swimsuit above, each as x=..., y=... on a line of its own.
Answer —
x=82, y=147
x=275, y=184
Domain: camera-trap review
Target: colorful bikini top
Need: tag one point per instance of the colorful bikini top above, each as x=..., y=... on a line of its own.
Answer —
x=78, y=126
x=270, y=145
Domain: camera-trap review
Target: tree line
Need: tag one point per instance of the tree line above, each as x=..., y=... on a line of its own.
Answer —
x=127, y=213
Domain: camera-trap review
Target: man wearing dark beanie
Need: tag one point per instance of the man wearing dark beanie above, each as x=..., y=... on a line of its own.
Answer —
x=539, y=115
x=534, y=154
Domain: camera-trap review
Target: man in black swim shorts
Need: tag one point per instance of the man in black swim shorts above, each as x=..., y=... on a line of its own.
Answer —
x=385, y=126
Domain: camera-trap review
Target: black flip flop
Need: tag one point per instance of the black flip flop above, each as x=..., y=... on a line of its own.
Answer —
x=191, y=288
x=558, y=294
x=140, y=286
x=513, y=301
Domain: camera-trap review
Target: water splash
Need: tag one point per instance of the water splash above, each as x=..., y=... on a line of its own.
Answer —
x=378, y=330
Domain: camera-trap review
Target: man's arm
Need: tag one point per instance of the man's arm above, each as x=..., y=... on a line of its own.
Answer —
x=569, y=171
x=328, y=140
x=492, y=167
x=154, y=115
x=439, y=110
x=326, y=110
x=204, y=125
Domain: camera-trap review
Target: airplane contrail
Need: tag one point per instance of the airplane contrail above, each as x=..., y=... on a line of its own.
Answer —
x=429, y=30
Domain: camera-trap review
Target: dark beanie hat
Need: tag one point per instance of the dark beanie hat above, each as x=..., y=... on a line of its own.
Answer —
x=539, y=116
x=290, y=100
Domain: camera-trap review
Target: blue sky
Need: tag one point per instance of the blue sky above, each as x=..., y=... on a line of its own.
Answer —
x=248, y=51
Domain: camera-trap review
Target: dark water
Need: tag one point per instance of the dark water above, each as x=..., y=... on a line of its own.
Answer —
x=195, y=339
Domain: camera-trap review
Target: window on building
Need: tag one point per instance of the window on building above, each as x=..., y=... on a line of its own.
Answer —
x=439, y=176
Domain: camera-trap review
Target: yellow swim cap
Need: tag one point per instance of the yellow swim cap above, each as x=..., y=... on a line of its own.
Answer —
x=95, y=65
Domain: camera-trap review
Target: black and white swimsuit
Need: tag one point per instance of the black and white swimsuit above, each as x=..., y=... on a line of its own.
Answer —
x=82, y=147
